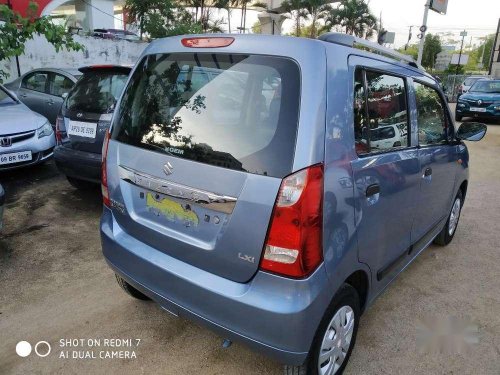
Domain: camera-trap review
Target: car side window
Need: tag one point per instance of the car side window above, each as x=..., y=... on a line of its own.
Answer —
x=431, y=116
x=60, y=85
x=381, y=114
x=35, y=82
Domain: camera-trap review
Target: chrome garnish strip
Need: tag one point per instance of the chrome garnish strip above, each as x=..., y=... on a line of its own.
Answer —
x=212, y=201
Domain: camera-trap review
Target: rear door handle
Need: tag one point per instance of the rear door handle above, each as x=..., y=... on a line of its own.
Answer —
x=372, y=190
x=428, y=172
x=50, y=102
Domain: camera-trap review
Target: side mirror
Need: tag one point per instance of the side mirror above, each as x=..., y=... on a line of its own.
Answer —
x=471, y=131
x=64, y=95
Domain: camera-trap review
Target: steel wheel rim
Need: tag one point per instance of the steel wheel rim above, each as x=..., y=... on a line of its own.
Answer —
x=336, y=341
x=454, y=216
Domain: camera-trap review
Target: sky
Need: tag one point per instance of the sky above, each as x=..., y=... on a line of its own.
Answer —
x=478, y=17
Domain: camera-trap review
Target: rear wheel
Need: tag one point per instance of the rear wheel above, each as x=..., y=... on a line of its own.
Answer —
x=335, y=338
x=81, y=184
x=448, y=232
x=130, y=290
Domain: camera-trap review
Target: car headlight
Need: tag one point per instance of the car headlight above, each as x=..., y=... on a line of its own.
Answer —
x=44, y=130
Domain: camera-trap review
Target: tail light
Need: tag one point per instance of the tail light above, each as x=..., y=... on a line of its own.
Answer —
x=207, y=42
x=294, y=241
x=104, y=172
x=60, y=129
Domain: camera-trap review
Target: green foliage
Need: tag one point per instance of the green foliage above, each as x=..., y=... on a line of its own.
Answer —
x=432, y=46
x=295, y=10
x=162, y=18
x=354, y=17
x=411, y=50
x=16, y=30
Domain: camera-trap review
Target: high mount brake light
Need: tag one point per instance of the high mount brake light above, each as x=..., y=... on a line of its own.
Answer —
x=104, y=171
x=293, y=246
x=207, y=42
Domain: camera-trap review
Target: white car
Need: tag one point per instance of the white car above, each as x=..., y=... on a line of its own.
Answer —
x=389, y=136
x=26, y=138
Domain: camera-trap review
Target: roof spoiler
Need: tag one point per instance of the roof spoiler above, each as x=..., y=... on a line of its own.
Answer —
x=117, y=68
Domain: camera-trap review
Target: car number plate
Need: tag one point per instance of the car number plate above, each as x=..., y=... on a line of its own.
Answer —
x=475, y=109
x=15, y=157
x=82, y=129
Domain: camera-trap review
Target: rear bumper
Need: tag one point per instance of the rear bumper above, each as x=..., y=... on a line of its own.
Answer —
x=274, y=315
x=78, y=164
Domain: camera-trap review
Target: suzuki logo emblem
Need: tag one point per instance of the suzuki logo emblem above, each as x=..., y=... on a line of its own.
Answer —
x=79, y=115
x=6, y=142
x=168, y=169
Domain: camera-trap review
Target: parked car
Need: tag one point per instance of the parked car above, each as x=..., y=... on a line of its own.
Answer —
x=2, y=202
x=467, y=84
x=260, y=220
x=84, y=119
x=44, y=90
x=26, y=137
x=115, y=34
x=482, y=100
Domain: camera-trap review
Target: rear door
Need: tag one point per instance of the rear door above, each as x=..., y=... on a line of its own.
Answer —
x=386, y=176
x=199, y=146
x=34, y=92
x=89, y=106
x=438, y=159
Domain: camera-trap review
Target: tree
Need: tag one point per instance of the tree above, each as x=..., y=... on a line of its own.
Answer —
x=432, y=46
x=316, y=10
x=354, y=17
x=487, y=46
x=295, y=10
x=162, y=18
x=16, y=30
x=411, y=50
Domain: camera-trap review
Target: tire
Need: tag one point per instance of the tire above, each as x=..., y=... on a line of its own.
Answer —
x=458, y=117
x=346, y=298
x=81, y=184
x=130, y=290
x=448, y=232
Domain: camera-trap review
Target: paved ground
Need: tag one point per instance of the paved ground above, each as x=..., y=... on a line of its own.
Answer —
x=55, y=285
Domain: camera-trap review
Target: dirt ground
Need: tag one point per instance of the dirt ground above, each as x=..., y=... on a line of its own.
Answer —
x=54, y=284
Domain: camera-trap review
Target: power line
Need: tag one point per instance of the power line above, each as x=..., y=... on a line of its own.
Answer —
x=100, y=10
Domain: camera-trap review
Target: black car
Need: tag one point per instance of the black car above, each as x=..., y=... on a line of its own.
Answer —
x=83, y=121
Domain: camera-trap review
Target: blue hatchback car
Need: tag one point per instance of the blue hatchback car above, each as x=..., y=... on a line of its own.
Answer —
x=482, y=100
x=272, y=187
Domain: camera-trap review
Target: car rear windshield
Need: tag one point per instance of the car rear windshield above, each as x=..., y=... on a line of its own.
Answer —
x=230, y=110
x=97, y=91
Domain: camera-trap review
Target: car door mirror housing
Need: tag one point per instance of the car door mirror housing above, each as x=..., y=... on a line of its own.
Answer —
x=471, y=131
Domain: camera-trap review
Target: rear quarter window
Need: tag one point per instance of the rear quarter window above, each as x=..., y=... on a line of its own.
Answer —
x=226, y=110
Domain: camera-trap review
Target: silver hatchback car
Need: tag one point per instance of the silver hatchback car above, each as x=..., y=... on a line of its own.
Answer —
x=26, y=137
x=246, y=185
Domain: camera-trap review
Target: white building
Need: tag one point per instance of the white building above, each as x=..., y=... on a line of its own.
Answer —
x=443, y=58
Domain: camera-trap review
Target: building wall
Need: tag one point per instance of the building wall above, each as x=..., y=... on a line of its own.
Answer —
x=40, y=54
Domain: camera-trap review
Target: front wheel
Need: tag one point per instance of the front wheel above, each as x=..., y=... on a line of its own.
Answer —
x=335, y=338
x=448, y=232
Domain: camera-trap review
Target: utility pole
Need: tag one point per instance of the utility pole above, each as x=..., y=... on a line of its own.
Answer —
x=409, y=38
x=423, y=29
x=463, y=34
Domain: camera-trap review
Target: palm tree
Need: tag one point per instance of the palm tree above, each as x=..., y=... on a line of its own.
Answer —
x=317, y=10
x=296, y=10
x=354, y=16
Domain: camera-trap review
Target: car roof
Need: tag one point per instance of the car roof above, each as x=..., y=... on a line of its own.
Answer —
x=68, y=71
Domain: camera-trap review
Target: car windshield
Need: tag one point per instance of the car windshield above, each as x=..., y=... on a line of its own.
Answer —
x=220, y=109
x=470, y=81
x=490, y=87
x=97, y=91
x=5, y=98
